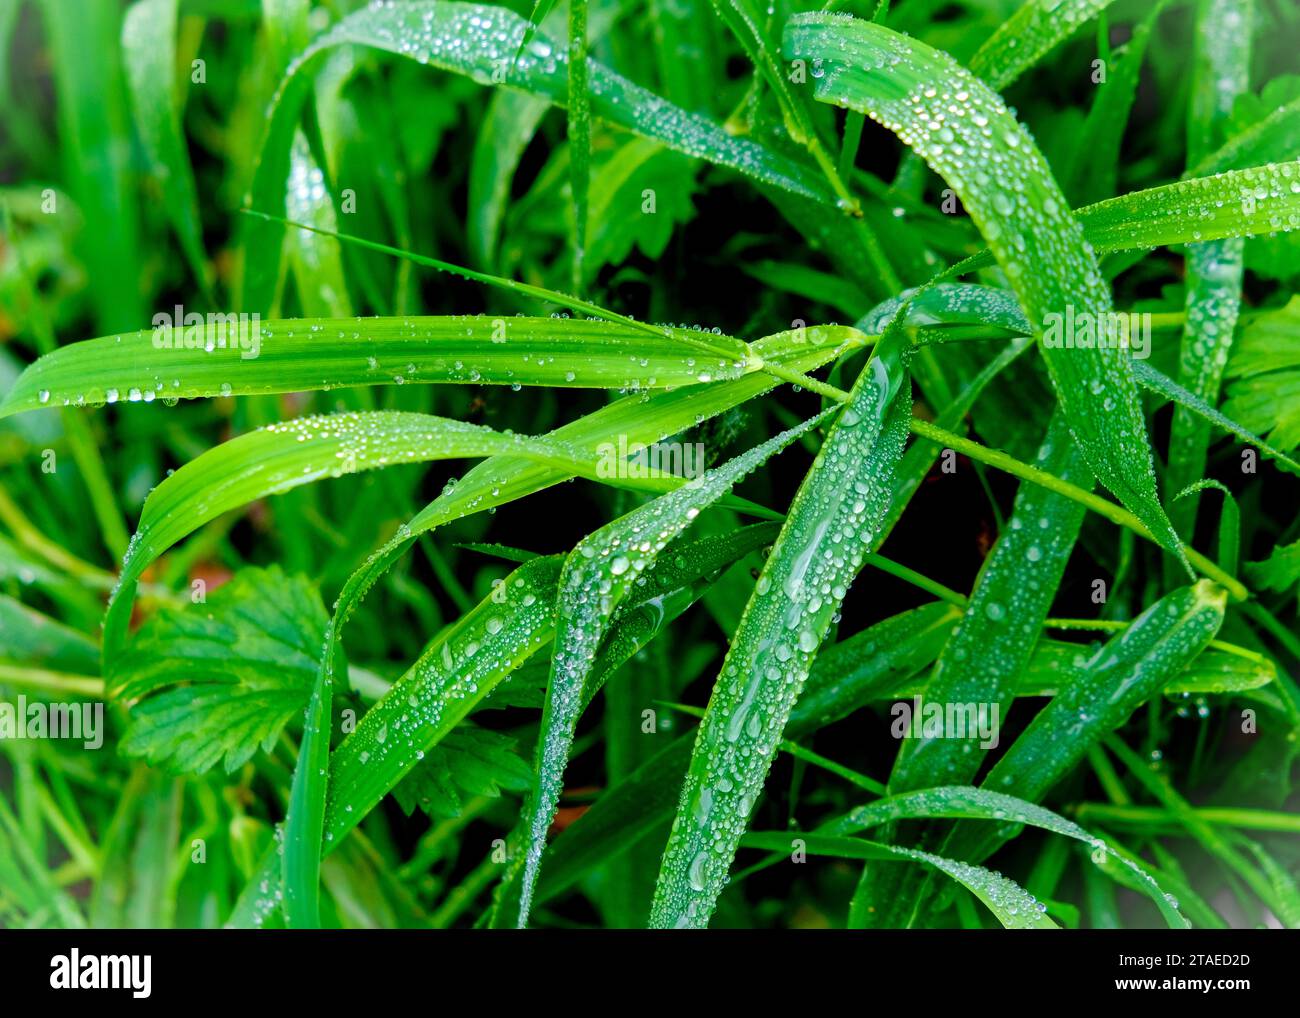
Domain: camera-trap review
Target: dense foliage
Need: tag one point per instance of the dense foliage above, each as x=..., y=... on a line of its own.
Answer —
x=883, y=510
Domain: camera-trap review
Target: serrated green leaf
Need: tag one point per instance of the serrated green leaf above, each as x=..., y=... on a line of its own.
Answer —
x=220, y=678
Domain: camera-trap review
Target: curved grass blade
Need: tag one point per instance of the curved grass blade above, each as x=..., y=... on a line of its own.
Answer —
x=1271, y=140
x=234, y=357
x=1154, y=381
x=1096, y=157
x=1033, y=31
x=1013, y=593
x=149, y=52
x=1015, y=908
x=964, y=801
x=578, y=106
x=635, y=419
x=744, y=19
x=947, y=309
x=833, y=522
x=1251, y=202
x=1229, y=522
x=505, y=478
x=304, y=823
x=989, y=650
x=1127, y=671
x=598, y=574
x=279, y=457
x=1215, y=271
x=461, y=667
x=484, y=43
x=966, y=134
x=511, y=122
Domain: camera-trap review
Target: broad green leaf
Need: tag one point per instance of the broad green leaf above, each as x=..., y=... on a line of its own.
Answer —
x=469, y=761
x=598, y=575
x=966, y=134
x=234, y=357
x=619, y=202
x=217, y=680
x=1265, y=371
x=1280, y=571
x=833, y=522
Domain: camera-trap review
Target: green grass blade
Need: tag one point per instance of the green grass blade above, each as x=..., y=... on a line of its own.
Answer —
x=1215, y=271
x=1154, y=381
x=598, y=574
x=480, y=42
x=1012, y=596
x=1229, y=522
x=149, y=56
x=991, y=646
x=1096, y=157
x=1274, y=887
x=958, y=802
x=1251, y=202
x=454, y=673
x=1123, y=674
x=578, y=106
x=1006, y=186
x=1015, y=908
x=280, y=457
x=304, y=823
x=1033, y=31
x=320, y=353
x=511, y=122
x=832, y=524
x=1271, y=140
x=92, y=120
